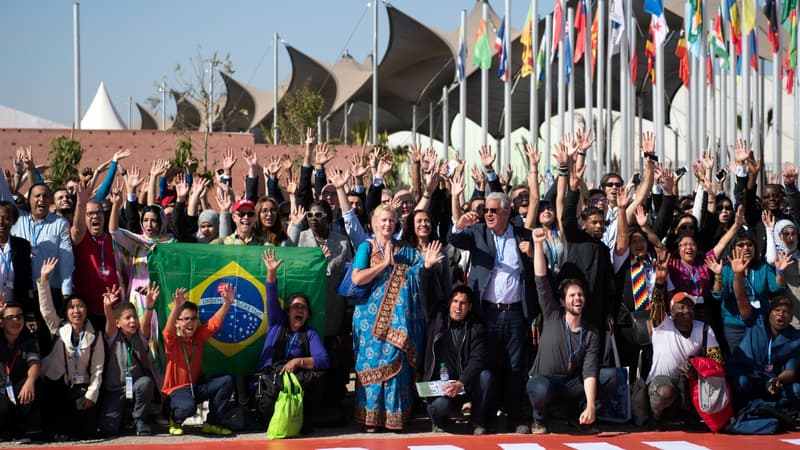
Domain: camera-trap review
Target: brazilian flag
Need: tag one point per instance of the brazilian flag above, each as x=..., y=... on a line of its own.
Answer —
x=236, y=347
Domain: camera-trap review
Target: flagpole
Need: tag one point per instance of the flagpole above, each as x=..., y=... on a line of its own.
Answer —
x=445, y=124
x=507, y=87
x=659, y=112
x=624, y=83
x=462, y=91
x=745, y=80
x=587, y=74
x=485, y=88
x=697, y=131
x=732, y=86
x=777, y=110
x=609, y=113
x=374, y=139
x=533, y=106
x=601, y=75
x=712, y=100
x=762, y=100
x=630, y=150
x=703, y=104
x=561, y=77
x=571, y=86
x=723, y=123
x=413, y=123
x=548, y=88
x=430, y=123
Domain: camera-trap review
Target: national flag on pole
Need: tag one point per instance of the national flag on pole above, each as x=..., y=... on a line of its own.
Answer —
x=617, y=18
x=634, y=67
x=788, y=7
x=580, y=28
x=790, y=61
x=503, y=69
x=236, y=347
x=749, y=15
x=498, y=41
x=732, y=16
x=461, y=71
x=717, y=41
x=771, y=11
x=694, y=20
x=540, y=61
x=526, y=39
x=690, y=26
x=567, y=61
x=709, y=70
x=650, y=52
x=482, y=53
x=558, y=25
x=753, y=51
x=682, y=53
x=595, y=28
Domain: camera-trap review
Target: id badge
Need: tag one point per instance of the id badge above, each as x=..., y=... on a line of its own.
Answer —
x=768, y=368
x=103, y=271
x=10, y=393
x=129, y=387
x=79, y=379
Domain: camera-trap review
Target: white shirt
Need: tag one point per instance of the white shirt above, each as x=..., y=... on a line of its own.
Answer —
x=671, y=349
x=504, y=286
x=6, y=271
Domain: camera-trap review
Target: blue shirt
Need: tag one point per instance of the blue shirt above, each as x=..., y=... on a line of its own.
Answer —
x=759, y=349
x=49, y=238
x=760, y=285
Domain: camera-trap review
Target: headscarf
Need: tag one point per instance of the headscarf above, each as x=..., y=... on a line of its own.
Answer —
x=780, y=244
x=211, y=216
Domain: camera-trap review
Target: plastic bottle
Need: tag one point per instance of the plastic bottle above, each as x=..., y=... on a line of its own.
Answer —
x=443, y=374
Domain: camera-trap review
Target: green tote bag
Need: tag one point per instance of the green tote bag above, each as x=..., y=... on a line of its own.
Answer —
x=288, y=416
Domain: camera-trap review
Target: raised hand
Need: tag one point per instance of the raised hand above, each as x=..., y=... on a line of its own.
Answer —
x=457, y=186
x=429, y=159
x=467, y=220
x=223, y=197
x=768, y=219
x=111, y=295
x=269, y=260
x=584, y=139
x=534, y=156
x=384, y=165
x=640, y=214
x=153, y=292
x=310, y=137
x=48, y=266
x=708, y=160
x=560, y=154
x=624, y=200
x=738, y=261
x=477, y=177
x=357, y=167
x=539, y=235
x=179, y=297
x=249, y=156
x=158, y=168
x=227, y=292
x=648, y=144
x=199, y=187
x=714, y=264
x=297, y=215
x=789, y=174
x=121, y=154
x=783, y=261
x=414, y=155
x=133, y=179
x=741, y=151
x=228, y=160
x=432, y=254
x=338, y=177
x=291, y=184
x=661, y=264
x=486, y=156
x=181, y=186
x=322, y=155
x=739, y=218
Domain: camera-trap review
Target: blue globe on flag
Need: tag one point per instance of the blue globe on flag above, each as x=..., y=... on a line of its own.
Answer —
x=245, y=316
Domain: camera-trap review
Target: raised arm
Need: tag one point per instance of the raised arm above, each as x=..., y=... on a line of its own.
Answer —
x=110, y=298
x=46, y=306
x=623, y=237
x=739, y=265
x=533, y=185
x=731, y=233
x=275, y=314
x=457, y=188
x=657, y=300
x=149, y=305
x=78, y=229
x=157, y=170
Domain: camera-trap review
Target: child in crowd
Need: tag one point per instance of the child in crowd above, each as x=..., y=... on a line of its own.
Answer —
x=184, y=385
x=127, y=375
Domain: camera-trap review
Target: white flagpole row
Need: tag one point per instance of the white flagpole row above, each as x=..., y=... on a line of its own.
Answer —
x=601, y=76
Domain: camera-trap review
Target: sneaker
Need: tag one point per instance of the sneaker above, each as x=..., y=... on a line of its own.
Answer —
x=466, y=409
x=436, y=429
x=522, y=429
x=216, y=430
x=143, y=428
x=479, y=430
x=539, y=428
x=175, y=429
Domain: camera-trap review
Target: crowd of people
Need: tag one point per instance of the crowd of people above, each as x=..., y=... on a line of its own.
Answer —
x=509, y=297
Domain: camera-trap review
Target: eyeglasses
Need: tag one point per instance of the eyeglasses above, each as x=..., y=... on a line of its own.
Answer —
x=744, y=244
x=246, y=214
x=317, y=214
x=188, y=319
x=688, y=244
x=94, y=213
x=614, y=184
x=13, y=317
x=493, y=210
x=298, y=307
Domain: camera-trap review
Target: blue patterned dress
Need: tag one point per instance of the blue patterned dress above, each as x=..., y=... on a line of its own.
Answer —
x=388, y=336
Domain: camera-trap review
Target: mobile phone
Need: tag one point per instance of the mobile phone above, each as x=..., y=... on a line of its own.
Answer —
x=721, y=174
x=220, y=172
x=681, y=171
x=451, y=168
x=637, y=178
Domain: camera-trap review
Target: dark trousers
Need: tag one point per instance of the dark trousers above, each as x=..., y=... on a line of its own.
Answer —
x=60, y=414
x=19, y=419
x=746, y=388
x=508, y=341
x=440, y=408
x=217, y=390
x=543, y=390
x=113, y=405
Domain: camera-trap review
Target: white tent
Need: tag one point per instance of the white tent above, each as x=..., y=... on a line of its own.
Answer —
x=101, y=114
x=11, y=118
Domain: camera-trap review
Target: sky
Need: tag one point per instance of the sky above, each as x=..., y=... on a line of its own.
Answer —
x=130, y=45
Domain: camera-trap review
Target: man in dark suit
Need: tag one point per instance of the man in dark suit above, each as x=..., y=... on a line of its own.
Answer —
x=16, y=279
x=499, y=275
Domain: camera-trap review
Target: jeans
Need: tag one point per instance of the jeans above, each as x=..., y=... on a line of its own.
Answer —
x=113, y=403
x=508, y=341
x=440, y=408
x=545, y=389
x=217, y=390
x=746, y=388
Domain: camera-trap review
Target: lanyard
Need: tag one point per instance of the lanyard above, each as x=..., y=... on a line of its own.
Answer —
x=102, y=245
x=130, y=346
x=769, y=352
x=36, y=230
x=10, y=367
x=553, y=254
x=76, y=356
x=290, y=344
x=500, y=246
x=188, y=360
x=6, y=263
x=569, y=341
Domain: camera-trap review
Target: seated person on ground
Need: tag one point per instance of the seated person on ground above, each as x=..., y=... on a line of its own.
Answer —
x=20, y=367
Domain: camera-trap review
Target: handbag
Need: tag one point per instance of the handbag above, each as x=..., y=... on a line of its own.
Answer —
x=351, y=290
x=640, y=400
x=616, y=407
x=287, y=419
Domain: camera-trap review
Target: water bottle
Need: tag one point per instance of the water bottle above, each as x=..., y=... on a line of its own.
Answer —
x=444, y=376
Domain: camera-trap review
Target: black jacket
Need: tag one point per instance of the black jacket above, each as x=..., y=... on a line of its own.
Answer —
x=473, y=354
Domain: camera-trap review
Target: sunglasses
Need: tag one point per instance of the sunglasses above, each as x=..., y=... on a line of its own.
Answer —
x=493, y=210
x=613, y=184
x=246, y=214
x=317, y=214
x=13, y=317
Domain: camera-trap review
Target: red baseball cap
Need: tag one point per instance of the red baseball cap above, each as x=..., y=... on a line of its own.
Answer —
x=241, y=203
x=681, y=297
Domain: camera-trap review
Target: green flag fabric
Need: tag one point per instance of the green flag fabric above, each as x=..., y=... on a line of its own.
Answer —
x=482, y=52
x=236, y=347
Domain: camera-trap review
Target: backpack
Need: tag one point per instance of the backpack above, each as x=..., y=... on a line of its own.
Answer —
x=759, y=417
